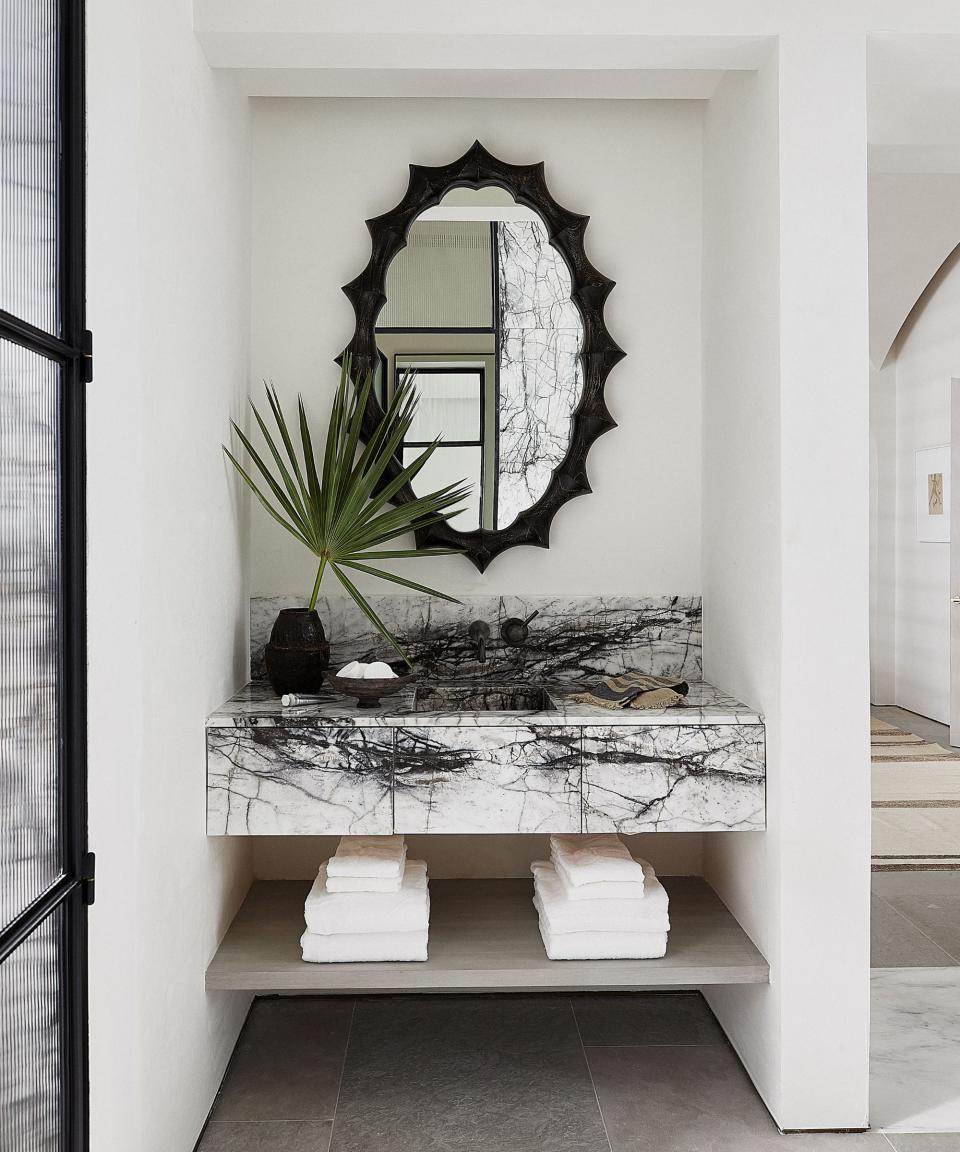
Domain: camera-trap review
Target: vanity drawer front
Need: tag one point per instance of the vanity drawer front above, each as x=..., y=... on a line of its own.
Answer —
x=517, y=779
x=280, y=781
x=665, y=778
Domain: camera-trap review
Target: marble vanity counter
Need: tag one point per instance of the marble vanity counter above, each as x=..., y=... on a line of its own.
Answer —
x=332, y=768
x=257, y=705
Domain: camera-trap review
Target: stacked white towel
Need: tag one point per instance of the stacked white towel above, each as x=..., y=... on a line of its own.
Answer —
x=368, y=902
x=369, y=858
x=596, y=902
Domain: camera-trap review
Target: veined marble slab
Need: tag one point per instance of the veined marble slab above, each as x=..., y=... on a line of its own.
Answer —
x=517, y=779
x=572, y=639
x=915, y=1049
x=674, y=779
x=288, y=781
x=258, y=706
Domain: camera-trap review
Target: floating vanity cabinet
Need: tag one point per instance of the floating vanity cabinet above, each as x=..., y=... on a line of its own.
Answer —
x=673, y=778
x=327, y=768
x=487, y=779
x=265, y=780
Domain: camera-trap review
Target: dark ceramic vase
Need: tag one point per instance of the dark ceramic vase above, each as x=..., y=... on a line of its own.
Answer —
x=298, y=653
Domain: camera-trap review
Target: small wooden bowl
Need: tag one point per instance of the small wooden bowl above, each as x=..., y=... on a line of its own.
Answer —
x=367, y=693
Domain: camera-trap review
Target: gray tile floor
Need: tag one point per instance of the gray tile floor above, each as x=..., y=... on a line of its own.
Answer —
x=526, y=1073
x=915, y=920
x=915, y=916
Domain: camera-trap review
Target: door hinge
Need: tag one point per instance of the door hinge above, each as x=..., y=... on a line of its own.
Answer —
x=88, y=871
x=87, y=356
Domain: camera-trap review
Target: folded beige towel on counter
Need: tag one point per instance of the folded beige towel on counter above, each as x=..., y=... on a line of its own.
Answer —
x=634, y=690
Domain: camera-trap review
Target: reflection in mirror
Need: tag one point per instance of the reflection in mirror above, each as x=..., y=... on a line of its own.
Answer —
x=478, y=306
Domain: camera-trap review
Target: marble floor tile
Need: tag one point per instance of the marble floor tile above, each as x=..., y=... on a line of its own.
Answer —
x=695, y=1098
x=930, y=900
x=915, y=1050
x=288, y=1061
x=896, y=942
x=270, y=1136
x=646, y=1018
x=458, y=1073
x=924, y=1142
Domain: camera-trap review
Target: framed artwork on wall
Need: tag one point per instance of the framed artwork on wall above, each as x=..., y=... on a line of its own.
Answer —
x=933, y=494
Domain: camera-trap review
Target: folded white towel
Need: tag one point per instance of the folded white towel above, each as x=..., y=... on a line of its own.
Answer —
x=601, y=945
x=361, y=947
x=381, y=856
x=600, y=890
x=589, y=859
x=363, y=883
x=562, y=915
x=604, y=945
x=408, y=910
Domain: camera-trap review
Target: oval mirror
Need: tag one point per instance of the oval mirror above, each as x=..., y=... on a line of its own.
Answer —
x=496, y=312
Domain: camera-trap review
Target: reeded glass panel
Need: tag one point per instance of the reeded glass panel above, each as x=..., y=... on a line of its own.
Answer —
x=31, y=1041
x=29, y=159
x=30, y=858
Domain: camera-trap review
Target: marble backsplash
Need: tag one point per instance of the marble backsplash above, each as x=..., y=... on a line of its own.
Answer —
x=573, y=637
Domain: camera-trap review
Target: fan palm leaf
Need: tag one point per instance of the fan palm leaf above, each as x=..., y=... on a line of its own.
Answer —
x=341, y=509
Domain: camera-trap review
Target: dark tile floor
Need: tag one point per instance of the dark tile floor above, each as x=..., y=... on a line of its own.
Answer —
x=641, y=1072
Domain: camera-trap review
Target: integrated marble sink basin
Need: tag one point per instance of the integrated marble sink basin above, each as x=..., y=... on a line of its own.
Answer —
x=481, y=697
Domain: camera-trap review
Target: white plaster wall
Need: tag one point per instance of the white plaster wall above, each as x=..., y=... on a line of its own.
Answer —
x=914, y=226
x=883, y=532
x=168, y=302
x=927, y=355
x=785, y=587
x=741, y=514
x=457, y=857
x=322, y=166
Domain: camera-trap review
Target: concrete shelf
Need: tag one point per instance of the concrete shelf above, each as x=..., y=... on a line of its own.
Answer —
x=483, y=937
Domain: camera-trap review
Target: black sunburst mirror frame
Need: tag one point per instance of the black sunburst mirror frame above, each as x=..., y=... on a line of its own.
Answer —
x=477, y=168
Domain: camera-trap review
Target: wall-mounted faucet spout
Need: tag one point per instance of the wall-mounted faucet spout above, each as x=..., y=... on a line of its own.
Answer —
x=479, y=633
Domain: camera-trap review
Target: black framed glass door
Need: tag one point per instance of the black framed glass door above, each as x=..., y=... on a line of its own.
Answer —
x=46, y=872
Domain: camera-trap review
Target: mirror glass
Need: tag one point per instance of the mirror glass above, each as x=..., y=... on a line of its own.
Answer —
x=478, y=307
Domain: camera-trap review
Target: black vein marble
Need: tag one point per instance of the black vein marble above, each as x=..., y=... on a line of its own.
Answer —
x=520, y=779
x=572, y=639
x=540, y=374
x=299, y=781
x=673, y=779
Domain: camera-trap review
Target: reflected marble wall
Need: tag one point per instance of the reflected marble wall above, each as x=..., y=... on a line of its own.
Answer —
x=540, y=375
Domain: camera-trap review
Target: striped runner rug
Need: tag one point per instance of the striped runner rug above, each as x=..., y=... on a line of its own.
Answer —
x=915, y=800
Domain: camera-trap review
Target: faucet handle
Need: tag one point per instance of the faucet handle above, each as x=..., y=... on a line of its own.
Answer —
x=514, y=631
x=479, y=630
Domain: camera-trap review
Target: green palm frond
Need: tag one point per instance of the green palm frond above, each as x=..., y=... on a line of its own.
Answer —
x=341, y=510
